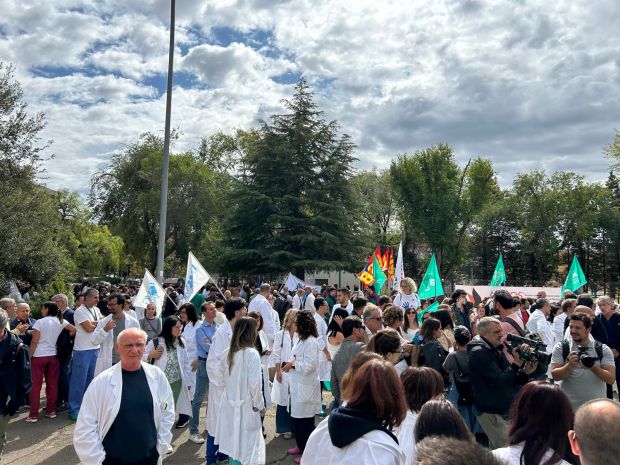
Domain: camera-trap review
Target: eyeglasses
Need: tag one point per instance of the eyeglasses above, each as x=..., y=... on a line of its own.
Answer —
x=375, y=318
x=137, y=345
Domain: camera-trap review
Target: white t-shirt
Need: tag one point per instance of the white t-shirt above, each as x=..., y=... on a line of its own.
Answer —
x=50, y=328
x=512, y=455
x=82, y=337
x=348, y=308
x=406, y=301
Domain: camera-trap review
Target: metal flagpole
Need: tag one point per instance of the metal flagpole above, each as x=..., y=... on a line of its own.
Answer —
x=163, y=205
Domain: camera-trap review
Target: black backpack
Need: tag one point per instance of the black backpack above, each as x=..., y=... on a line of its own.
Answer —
x=463, y=388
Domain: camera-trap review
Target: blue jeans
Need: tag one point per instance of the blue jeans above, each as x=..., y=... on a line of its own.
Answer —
x=213, y=453
x=202, y=384
x=82, y=373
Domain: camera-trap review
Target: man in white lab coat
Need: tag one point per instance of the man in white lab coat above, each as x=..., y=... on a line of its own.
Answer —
x=107, y=331
x=261, y=304
x=234, y=309
x=132, y=400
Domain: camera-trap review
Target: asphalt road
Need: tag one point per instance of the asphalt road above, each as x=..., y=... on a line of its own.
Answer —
x=50, y=442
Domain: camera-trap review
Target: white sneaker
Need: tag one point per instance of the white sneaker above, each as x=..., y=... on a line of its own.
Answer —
x=196, y=438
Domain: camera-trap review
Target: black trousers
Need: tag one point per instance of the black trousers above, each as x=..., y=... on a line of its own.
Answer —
x=302, y=427
x=152, y=459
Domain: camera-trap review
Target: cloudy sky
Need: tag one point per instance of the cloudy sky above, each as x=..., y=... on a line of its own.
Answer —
x=526, y=84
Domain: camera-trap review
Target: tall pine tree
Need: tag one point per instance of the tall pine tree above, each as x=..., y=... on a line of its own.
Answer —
x=292, y=207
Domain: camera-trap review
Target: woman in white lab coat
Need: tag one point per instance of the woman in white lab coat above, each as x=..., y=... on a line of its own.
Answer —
x=282, y=348
x=239, y=426
x=168, y=353
x=361, y=432
x=305, y=389
x=264, y=349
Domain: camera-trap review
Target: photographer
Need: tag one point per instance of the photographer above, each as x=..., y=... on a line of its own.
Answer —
x=495, y=381
x=582, y=366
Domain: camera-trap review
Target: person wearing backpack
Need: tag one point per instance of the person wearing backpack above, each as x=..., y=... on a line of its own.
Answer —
x=582, y=366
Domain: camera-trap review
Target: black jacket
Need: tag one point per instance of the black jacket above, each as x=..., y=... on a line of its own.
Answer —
x=494, y=380
x=15, y=381
x=346, y=425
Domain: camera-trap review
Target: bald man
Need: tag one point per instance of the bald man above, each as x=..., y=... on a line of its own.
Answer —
x=132, y=399
x=596, y=433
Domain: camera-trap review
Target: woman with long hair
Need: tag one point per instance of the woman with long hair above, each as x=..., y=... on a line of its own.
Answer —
x=239, y=424
x=264, y=350
x=540, y=420
x=432, y=354
x=387, y=343
x=421, y=384
x=410, y=324
x=283, y=344
x=167, y=352
x=393, y=318
x=44, y=363
x=334, y=331
x=447, y=327
x=362, y=431
x=305, y=389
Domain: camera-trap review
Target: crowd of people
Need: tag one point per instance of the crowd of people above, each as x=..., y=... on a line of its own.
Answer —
x=510, y=380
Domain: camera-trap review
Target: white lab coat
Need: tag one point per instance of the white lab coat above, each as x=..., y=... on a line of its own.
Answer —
x=282, y=349
x=325, y=366
x=218, y=351
x=304, y=380
x=404, y=433
x=310, y=303
x=375, y=447
x=558, y=327
x=239, y=428
x=189, y=336
x=265, y=360
x=538, y=324
x=261, y=305
x=106, y=341
x=100, y=407
x=184, y=402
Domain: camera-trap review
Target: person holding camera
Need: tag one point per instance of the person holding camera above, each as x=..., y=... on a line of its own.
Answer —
x=582, y=366
x=494, y=380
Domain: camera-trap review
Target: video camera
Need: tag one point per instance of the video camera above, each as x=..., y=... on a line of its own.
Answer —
x=537, y=348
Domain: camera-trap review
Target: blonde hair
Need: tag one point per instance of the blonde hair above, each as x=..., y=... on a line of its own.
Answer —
x=605, y=299
x=410, y=282
x=289, y=318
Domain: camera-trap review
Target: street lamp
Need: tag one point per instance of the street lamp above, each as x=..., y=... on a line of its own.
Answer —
x=163, y=203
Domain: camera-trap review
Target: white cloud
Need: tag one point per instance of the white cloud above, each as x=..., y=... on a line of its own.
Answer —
x=528, y=84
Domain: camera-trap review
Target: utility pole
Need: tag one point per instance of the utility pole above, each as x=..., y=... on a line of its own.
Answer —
x=163, y=204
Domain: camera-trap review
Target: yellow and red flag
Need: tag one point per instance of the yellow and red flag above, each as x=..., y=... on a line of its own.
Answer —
x=391, y=268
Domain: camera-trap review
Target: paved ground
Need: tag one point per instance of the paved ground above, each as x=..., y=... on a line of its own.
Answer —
x=49, y=442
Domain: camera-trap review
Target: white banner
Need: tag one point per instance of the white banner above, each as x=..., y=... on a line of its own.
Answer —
x=399, y=271
x=195, y=277
x=293, y=283
x=553, y=293
x=150, y=293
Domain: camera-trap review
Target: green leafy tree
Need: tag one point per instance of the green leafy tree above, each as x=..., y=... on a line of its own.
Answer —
x=440, y=200
x=293, y=208
x=125, y=197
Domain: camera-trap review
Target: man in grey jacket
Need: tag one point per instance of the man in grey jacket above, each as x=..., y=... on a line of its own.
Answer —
x=353, y=331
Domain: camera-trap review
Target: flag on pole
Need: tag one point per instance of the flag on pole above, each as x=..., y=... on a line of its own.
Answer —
x=377, y=253
x=432, y=308
x=575, y=278
x=431, y=283
x=499, y=276
x=150, y=293
x=391, y=265
x=366, y=276
x=385, y=265
x=293, y=283
x=195, y=277
x=378, y=274
x=399, y=271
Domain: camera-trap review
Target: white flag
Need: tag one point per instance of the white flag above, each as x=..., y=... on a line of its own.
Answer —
x=399, y=272
x=293, y=283
x=195, y=277
x=150, y=293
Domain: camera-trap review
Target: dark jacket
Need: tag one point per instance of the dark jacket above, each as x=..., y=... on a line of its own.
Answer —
x=612, y=329
x=494, y=380
x=15, y=381
x=432, y=355
x=462, y=318
x=26, y=338
x=64, y=343
x=346, y=425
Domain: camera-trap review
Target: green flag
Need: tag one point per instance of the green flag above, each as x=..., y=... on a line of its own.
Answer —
x=499, y=277
x=431, y=283
x=431, y=308
x=378, y=274
x=575, y=278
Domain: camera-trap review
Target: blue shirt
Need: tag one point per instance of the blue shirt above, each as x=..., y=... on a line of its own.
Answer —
x=204, y=335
